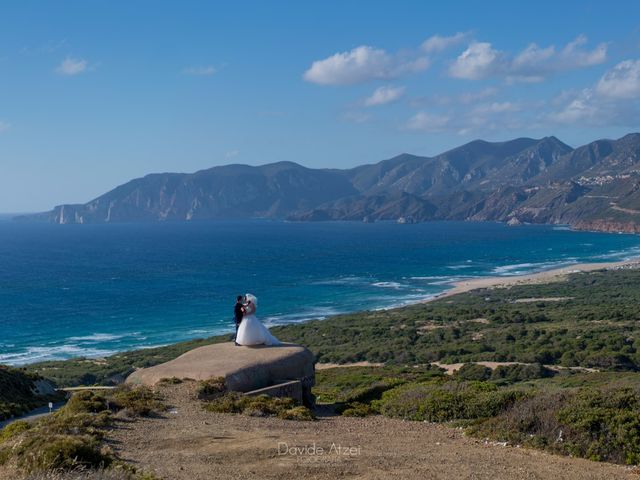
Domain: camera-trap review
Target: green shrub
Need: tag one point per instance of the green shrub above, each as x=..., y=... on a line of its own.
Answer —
x=603, y=425
x=473, y=371
x=212, y=388
x=297, y=413
x=521, y=372
x=86, y=401
x=595, y=423
x=65, y=423
x=444, y=401
x=137, y=400
x=358, y=409
x=71, y=438
x=258, y=406
x=59, y=452
x=13, y=429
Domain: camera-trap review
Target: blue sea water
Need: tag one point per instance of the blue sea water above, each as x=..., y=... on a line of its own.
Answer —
x=92, y=290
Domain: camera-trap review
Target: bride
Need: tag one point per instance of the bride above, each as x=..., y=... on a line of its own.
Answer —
x=251, y=330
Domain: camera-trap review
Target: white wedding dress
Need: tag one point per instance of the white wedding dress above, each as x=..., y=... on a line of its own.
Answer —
x=251, y=330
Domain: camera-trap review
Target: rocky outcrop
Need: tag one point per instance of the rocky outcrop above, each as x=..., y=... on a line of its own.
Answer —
x=245, y=369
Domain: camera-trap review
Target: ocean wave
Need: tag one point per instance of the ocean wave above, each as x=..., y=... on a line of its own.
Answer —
x=621, y=255
x=61, y=352
x=314, y=313
x=394, y=285
x=99, y=337
x=407, y=300
x=349, y=280
x=445, y=279
x=431, y=277
x=524, y=268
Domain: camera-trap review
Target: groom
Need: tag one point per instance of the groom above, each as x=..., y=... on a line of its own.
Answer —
x=238, y=313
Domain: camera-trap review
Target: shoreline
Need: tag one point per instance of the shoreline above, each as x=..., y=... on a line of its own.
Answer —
x=456, y=287
x=545, y=276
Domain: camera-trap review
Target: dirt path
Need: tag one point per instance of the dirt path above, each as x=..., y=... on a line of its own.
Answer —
x=192, y=444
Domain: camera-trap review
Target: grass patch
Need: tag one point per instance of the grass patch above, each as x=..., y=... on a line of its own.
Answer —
x=352, y=389
x=259, y=406
x=71, y=439
x=442, y=401
x=138, y=401
x=211, y=389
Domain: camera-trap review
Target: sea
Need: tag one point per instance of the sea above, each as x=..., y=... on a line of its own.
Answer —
x=94, y=290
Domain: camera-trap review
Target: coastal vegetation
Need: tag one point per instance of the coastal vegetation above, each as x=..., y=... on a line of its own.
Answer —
x=589, y=320
x=20, y=392
x=72, y=439
x=218, y=399
x=560, y=365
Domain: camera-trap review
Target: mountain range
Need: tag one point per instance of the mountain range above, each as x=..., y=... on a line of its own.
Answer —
x=595, y=187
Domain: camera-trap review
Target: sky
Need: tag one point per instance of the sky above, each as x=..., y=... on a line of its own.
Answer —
x=95, y=93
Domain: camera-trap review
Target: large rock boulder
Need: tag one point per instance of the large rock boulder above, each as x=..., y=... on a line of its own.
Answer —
x=244, y=368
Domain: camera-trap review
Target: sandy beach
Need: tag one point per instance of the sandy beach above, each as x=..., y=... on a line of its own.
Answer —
x=547, y=276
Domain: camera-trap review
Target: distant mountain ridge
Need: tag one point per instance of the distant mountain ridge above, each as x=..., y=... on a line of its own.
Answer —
x=595, y=186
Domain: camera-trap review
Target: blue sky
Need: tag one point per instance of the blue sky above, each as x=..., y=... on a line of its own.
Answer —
x=94, y=93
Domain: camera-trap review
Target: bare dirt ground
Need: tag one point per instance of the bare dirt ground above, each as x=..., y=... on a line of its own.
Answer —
x=192, y=444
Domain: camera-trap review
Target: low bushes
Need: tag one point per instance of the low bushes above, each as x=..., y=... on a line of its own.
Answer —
x=258, y=406
x=441, y=401
x=211, y=389
x=595, y=423
x=13, y=429
x=71, y=438
x=520, y=372
x=474, y=371
x=352, y=390
x=136, y=401
x=59, y=452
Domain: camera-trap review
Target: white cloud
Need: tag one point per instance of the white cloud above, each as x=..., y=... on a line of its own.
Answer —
x=533, y=64
x=362, y=64
x=428, y=122
x=201, y=70
x=231, y=154
x=383, y=95
x=623, y=81
x=573, y=56
x=72, y=66
x=4, y=126
x=533, y=55
x=614, y=100
x=438, y=43
x=463, y=120
x=479, y=60
x=579, y=109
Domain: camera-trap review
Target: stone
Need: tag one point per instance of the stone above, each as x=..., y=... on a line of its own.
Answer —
x=245, y=369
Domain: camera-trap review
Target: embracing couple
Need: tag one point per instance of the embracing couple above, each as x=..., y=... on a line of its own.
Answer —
x=250, y=330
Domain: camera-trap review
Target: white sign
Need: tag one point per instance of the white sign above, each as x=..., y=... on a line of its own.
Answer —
x=50, y=407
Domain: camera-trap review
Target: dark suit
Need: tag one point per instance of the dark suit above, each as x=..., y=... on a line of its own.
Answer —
x=238, y=313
